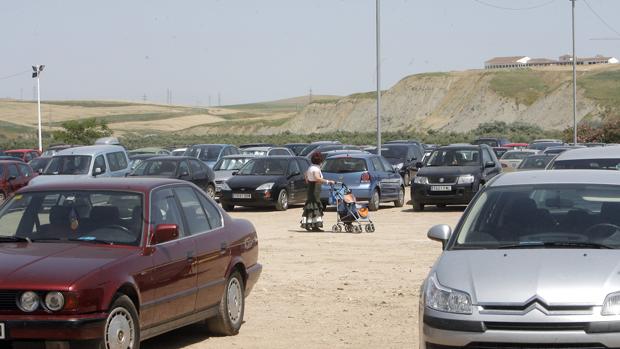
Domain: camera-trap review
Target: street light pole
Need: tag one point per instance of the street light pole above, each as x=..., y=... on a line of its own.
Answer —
x=574, y=80
x=378, y=34
x=37, y=69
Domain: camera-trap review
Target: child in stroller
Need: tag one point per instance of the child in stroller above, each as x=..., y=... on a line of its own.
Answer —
x=350, y=216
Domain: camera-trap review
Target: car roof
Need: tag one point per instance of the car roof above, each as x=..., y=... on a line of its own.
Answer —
x=90, y=150
x=18, y=150
x=8, y=161
x=556, y=177
x=257, y=149
x=143, y=184
x=461, y=146
x=532, y=151
x=206, y=144
x=354, y=155
x=239, y=156
x=591, y=153
x=170, y=157
x=148, y=149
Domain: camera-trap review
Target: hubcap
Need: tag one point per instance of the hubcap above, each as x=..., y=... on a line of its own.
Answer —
x=283, y=199
x=120, y=330
x=235, y=300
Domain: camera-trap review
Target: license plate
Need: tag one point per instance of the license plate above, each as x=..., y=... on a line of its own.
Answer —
x=242, y=196
x=2, y=335
x=441, y=188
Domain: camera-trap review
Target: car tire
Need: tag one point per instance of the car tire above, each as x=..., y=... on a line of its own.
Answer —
x=282, y=201
x=122, y=316
x=400, y=202
x=228, y=207
x=210, y=190
x=375, y=201
x=418, y=207
x=407, y=179
x=231, y=309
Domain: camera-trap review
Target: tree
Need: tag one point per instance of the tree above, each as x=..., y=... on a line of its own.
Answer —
x=82, y=131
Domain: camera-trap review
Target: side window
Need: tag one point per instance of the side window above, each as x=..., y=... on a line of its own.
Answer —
x=303, y=165
x=234, y=151
x=192, y=209
x=196, y=168
x=13, y=171
x=486, y=157
x=376, y=163
x=112, y=161
x=122, y=160
x=213, y=214
x=386, y=165
x=183, y=168
x=25, y=170
x=293, y=167
x=164, y=210
x=100, y=163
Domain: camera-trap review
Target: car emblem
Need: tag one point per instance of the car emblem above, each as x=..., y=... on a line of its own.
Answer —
x=441, y=180
x=242, y=189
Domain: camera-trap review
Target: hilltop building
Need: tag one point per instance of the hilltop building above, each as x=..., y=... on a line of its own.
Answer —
x=525, y=62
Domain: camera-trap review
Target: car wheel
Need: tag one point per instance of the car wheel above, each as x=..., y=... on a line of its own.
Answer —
x=122, y=327
x=407, y=179
x=210, y=190
x=418, y=207
x=375, y=199
x=401, y=198
x=232, y=306
x=228, y=207
x=282, y=203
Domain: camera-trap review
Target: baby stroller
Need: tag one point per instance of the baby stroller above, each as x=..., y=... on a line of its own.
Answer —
x=350, y=216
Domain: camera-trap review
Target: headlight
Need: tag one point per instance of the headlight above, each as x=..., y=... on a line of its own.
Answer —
x=266, y=186
x=466, y=179
x=420, y=180
x=225, y=186
x=611, y=306
x=54, y=301
x=445, y=299
x=398, y=166
x=29, y=301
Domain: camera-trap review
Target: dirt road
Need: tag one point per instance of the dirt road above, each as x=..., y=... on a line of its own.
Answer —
x=324, y=290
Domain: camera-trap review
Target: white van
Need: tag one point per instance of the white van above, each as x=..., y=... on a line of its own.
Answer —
x=86, y=162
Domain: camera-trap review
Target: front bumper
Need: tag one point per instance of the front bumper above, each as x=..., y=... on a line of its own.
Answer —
x=53, y=328
x=460, y=194
x=256, y=199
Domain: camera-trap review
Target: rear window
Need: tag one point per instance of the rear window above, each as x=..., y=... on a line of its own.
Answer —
x=539, y=162
x=205, y=153
x=344, y=165
x=517, y=155
x=587, y=164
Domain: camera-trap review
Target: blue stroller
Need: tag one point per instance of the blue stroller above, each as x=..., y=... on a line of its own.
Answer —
x=351, y=216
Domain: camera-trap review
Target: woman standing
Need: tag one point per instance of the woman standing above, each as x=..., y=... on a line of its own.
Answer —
x=312, y=219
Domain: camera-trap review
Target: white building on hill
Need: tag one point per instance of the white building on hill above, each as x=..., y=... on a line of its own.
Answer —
x=525, y=62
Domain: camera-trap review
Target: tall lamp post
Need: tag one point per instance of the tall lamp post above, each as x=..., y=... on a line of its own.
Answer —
x=378, y=34
x=37, y=69
x=574, y=80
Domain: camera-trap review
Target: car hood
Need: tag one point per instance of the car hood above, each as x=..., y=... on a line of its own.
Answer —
x=224, y=175
x=236, y=182
x=517, y=277
x=448, y=170
x=57, y=265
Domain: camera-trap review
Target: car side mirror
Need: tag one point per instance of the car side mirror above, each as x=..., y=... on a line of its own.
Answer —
x=184, y=174
x=419, y=165
x=441, y=233
x=164, y=233
x=97, y=171
x=489, y=164
x=12, y=178
x=40, y=171
x=235, y=173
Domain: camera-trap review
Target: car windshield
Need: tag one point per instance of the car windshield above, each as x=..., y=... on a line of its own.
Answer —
x=587, y=164
x=516, y=155
x=297, y=148
x=344, y=165
x=38, y=164
x=164, y=168
x=105, y=217
x=454, y=157
x=68, y=165
x=264, y=167
x=230, y=164
x=535, y=162
x=205, y=153
x=393, y=151
x=307, y=150
x=557, y=216
x=544, y=145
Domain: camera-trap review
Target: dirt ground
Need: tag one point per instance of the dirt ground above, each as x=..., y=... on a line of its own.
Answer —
x=324, y=290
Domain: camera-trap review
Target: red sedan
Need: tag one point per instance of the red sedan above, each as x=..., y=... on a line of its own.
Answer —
x=111, y=262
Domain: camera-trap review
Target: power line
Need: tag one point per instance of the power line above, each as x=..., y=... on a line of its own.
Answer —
x=14, y=75
x=601, y=18
x=515, y=8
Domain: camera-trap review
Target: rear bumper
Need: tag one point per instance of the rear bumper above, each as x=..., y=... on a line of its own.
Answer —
x=54, y=328
x=253, y=275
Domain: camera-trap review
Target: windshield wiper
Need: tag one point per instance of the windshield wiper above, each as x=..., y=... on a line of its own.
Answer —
x=14, y=239
x=556, y=244
x=96, y=241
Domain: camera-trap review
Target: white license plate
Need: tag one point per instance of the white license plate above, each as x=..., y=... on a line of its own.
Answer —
x=242, y=196
x=2, y=335
x=441, y=188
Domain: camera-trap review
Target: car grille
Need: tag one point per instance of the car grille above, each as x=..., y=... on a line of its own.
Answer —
x=437, y=179
x=8, y=300
x=534, y=326
x=521, y=346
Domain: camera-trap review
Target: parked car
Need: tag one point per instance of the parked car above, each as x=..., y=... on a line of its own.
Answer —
x=453, y=174
x=560, y=149
x=13, y=176
x=113, y=262
x=403, y=158
x=533, y=263
x=149, y=151
x=325, y=148
x=370, y=177
x=86, y=162
x=55, y=148
x=225, y=167
x=542, y=144
x=307, y=150
x=39, y=164
x=406, y=141
x=512, y=158
x=210, y=153
x=606, y=158
x=491, y=141
x=267, y=151
x=535, y=162
x=272, y=181
x=178, y=151
x=135, y=160
x=516, y=146
x=181, y=167
x=254, y=145
x=23, y=154
x=500, y=151
x=296, y=148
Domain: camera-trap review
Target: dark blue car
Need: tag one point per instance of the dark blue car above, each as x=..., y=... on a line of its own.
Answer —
x=370, y=177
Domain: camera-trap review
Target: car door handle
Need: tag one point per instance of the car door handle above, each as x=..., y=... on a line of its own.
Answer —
x=190, y=256
x=223, y=247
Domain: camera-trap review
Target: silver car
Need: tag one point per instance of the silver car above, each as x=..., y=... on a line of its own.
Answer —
x=533, y=263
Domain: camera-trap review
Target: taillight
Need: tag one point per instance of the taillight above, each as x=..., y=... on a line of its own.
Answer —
x=365, y=177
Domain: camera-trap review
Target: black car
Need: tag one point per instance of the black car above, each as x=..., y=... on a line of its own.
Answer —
x=312, y=146
x=296, y=148
x=181, y=167
x=135, y=160
x=453, y=174
x=535, y=162
x=491, y=141
x=272, y=181
x=403, y=158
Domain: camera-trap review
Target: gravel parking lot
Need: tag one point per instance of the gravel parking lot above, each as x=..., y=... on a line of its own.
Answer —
x=324, y=290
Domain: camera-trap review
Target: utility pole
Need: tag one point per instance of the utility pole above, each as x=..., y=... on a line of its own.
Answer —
x=144, y=97
x=37, y=69
x=574, y=80
x=378, y=34
x=310, y=96
x=219, y=99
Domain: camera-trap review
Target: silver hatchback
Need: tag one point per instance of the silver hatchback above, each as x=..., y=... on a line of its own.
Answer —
x=533, y=263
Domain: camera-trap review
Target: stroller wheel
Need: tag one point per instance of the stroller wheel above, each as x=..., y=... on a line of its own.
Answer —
x=348, y=228
x=336, y=228
x=370, y=228
x=357, y=229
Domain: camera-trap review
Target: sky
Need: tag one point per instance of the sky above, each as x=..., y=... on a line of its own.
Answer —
x=259, y=50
